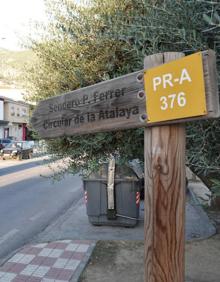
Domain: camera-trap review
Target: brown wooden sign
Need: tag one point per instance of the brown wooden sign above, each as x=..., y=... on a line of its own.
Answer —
x=113, y=105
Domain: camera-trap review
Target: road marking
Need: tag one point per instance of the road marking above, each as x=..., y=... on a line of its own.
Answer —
x=8, y=235
x=36, y=216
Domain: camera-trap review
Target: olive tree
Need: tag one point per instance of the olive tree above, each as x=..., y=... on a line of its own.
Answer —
x=83, y=45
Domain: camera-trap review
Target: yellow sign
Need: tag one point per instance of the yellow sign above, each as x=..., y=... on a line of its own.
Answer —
x=176, y=90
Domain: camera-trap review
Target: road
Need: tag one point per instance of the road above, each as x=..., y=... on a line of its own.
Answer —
x=29, y=202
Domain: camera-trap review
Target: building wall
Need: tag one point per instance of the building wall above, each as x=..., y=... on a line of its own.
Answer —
x=17, y=112
x=1, y=109
x=1, y=131
x=16, y=117
x=15, y=131
x=2, y=122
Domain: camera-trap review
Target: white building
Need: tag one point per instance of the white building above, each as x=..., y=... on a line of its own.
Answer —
x=14, y=117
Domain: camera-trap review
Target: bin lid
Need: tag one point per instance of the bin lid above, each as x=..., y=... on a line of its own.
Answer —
x=122, y=172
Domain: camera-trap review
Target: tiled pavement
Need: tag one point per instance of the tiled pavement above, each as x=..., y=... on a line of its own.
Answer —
x=59, y=261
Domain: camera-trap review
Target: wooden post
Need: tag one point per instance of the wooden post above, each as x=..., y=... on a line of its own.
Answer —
x=164, y=195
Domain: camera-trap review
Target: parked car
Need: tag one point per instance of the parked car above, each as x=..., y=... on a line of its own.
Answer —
x=4, y=142
x=17, y=150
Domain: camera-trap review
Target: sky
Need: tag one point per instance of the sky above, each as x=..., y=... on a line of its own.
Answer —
x=15, y=19
x=15, y=24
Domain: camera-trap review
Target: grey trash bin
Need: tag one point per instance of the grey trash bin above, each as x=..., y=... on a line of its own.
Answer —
x=126, y=196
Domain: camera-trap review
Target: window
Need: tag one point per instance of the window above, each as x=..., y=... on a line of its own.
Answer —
x=18, y=112
x=12, y=110
x=23, y=112
x=7, y=141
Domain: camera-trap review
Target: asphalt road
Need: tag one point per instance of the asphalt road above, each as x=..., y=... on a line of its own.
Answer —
x=29, y=202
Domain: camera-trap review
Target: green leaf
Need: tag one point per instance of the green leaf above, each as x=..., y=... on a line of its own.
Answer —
x=207, y=19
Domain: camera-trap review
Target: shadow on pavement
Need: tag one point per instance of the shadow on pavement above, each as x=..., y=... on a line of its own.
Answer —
x=18, y=166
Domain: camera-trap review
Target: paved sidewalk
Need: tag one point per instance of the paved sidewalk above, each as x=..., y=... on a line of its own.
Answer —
x=59, y=261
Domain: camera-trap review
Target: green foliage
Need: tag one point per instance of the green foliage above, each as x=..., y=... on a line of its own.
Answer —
x=84, y=45
x=203, y=148
x=215, y=187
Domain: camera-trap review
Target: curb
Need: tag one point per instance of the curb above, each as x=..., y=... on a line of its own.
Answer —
x=83, y=264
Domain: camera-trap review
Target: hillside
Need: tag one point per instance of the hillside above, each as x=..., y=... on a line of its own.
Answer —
x=11, y=66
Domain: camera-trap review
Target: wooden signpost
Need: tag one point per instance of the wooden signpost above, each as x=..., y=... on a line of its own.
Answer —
x=171, y=90
x=111, y=105
x=120, y=103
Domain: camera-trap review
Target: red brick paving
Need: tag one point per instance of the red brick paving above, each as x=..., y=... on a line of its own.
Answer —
x=51, y=260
